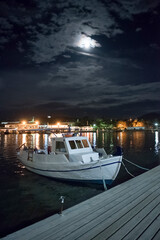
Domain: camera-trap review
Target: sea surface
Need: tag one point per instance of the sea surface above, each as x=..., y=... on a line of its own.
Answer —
x=26, y=197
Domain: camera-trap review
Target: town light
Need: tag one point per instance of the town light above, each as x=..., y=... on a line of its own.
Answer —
x=58, y=124
x=37, y=122
x=156, y=125
x=24, y=122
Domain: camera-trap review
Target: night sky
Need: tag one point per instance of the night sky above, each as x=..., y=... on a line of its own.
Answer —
x=75, y=58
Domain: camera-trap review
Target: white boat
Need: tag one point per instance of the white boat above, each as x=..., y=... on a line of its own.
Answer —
x=71, y=158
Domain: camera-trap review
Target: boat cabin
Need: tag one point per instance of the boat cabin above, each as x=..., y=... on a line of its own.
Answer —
x=75, y=148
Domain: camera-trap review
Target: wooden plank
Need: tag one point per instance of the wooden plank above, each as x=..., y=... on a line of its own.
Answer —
x=144, y=224
x=151, y=230
x=157, y=235
x=152, y=210
x=103, y=225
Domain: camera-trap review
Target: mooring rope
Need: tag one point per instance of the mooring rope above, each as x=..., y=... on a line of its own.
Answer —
x=146, y=169
x=127, y=170
x=104, y=183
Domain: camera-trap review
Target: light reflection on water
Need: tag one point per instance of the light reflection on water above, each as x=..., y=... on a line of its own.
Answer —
x=27, y=197
x=156, y=142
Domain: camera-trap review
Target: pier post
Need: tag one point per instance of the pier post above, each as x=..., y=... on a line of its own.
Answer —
x=62, y=203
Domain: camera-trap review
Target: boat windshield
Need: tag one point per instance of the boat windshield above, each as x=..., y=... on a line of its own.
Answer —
x=72, y=144
x=85, y=143
x=60, y=147
x=78, y=144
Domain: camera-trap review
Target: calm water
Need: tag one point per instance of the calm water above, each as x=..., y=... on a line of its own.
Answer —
x=26, y=197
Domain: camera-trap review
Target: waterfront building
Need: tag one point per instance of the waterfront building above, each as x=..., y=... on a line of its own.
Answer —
x=35, y=126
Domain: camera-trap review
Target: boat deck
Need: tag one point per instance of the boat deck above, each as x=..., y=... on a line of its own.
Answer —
x=130, y=210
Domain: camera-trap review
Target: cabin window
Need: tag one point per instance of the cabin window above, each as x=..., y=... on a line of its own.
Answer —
x=72, y=144
x=79, y=144
x=85, y=143
x=60, y=147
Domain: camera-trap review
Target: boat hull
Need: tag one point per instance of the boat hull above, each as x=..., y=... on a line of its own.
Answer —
x=94, y=172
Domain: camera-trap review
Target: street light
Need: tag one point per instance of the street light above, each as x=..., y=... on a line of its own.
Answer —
x=58, y=124
x=156, y=125
x=49, y=117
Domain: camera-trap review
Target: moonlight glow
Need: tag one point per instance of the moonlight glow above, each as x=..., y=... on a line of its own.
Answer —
x=87, y=42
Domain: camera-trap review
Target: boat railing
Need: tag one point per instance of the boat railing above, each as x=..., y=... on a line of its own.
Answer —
x=30, y=154
x=21, y=147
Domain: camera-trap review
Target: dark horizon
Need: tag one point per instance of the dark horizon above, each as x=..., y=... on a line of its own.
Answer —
x=52, y=118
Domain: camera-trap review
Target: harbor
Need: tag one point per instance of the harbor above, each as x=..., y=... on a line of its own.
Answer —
x=130, y=210
x=79, y=120
x=52, y=126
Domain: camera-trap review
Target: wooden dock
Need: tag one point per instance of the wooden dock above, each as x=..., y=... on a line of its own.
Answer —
x=130, y=210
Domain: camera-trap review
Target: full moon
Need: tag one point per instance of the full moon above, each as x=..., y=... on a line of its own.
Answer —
x=86, y=42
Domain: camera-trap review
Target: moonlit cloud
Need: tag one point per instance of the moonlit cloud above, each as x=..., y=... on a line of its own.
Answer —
x=70, y=26
x=126, y=9
x=66, y=56
x=82, y=21
x=138, y=29
x=87, y=43
x=71, y=75
x=73, y=25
